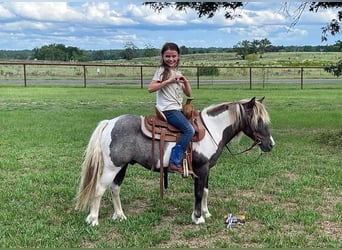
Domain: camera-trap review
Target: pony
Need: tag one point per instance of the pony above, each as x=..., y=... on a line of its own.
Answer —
x=119, y=142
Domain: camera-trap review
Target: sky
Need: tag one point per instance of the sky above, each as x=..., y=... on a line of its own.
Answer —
x=97, y=25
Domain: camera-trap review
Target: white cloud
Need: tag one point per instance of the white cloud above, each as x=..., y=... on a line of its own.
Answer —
x=97, y=24
x=167, y=17
x=5, y=13
x=102, y=13
x=45, y=11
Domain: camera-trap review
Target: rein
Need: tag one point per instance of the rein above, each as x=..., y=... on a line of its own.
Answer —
x=244, y=151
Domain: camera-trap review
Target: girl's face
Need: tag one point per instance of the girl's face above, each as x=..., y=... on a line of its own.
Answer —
x=171, y=58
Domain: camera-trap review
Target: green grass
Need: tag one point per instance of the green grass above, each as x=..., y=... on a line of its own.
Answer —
x=291, y=197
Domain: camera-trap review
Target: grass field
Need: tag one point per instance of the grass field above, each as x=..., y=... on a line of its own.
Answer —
x=291, y=196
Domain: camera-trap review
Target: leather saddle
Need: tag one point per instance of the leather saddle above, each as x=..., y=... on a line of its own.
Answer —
x=156, y=127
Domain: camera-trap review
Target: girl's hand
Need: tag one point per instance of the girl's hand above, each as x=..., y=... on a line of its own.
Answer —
x=180, y=79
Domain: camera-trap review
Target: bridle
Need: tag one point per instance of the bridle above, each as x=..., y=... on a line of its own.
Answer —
x=257, y=139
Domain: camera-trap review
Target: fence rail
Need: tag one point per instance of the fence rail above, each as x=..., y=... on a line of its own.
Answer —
x=105, y=73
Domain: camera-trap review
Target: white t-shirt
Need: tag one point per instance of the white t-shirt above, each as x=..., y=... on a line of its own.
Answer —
x=169, y=97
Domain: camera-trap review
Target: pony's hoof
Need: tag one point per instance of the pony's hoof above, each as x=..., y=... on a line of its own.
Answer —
x=119, y=216
x=93, y=221
x=206, y=214
x=196, y=220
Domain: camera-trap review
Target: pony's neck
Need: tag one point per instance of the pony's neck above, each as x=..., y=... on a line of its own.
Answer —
x=221, y=127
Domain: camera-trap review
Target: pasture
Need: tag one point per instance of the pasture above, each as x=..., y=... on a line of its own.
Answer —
x=291, y=196
x=222, y=70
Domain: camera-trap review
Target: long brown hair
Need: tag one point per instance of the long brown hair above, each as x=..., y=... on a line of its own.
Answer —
x=168, y=46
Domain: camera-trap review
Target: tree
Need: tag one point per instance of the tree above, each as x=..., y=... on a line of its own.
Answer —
x=334, y=26
x=130, y=51
x=98, y=55
x=150, y=51
x=264, y=46
x=243, y=49
x=335, y=69
x=59, y=52
x=255, y=46
x=202, y=8
x=209, y=9
x=184, y=50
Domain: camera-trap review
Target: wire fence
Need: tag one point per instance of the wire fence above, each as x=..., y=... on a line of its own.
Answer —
x=87, y=75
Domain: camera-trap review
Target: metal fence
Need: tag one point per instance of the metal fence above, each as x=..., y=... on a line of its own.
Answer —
x=91, y=74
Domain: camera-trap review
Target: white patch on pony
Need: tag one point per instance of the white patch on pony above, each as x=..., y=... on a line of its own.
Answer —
x=204, y=204
x=272, y=141
x=216, y=125
x=167, y=153
x=105, y=143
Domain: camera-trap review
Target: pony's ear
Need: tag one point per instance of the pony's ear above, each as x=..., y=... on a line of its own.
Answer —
x=261, y=99
x=251, y=103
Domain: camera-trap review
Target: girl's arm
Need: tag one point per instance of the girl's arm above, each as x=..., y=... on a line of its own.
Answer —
x=156, y=84
x=186, y=86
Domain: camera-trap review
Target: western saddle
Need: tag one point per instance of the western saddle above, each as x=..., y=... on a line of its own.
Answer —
x=156, y=127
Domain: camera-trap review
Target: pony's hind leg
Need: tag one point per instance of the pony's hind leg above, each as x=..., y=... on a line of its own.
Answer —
x=115, y=192
x=107, y=178
x=93, y=217
x=118, y=212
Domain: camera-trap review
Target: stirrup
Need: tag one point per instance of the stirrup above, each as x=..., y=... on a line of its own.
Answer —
x=187, y=171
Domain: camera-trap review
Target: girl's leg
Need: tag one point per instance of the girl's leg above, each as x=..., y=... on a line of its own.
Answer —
x=177, y=119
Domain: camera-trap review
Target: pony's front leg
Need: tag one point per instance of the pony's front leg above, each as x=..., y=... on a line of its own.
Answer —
x=197, y=216
x=118, y=212
x=93, y=217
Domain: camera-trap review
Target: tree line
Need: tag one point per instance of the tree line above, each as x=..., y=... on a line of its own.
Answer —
x=61, y=52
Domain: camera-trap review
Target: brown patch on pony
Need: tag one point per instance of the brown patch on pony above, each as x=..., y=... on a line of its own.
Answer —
x=217, y=109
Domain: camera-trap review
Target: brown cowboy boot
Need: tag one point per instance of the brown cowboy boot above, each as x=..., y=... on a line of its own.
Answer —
x=176, y=159
x=175, y=169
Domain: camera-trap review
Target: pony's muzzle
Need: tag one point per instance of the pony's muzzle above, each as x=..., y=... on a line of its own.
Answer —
x=267, y=145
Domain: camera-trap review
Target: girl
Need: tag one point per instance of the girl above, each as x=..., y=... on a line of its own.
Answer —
x=169, y=85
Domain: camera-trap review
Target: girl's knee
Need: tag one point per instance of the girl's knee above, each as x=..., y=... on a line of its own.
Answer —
x=191, y=130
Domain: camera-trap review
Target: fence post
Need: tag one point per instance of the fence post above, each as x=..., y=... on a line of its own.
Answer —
x=25, y=83
x=250, y=77
x=141, y=77
x=84, y=76
x=198, y=76
x=301, y=78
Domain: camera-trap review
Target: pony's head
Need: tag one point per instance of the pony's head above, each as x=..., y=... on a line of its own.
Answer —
x=246, y=116
x=255, y=123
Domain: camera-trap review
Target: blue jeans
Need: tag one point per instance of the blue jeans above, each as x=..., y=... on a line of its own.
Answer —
x=177, y=119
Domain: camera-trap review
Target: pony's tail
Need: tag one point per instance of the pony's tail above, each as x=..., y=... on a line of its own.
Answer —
x=91, y=168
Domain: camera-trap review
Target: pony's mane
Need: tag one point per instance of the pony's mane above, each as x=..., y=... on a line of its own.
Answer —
x=236, y=112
